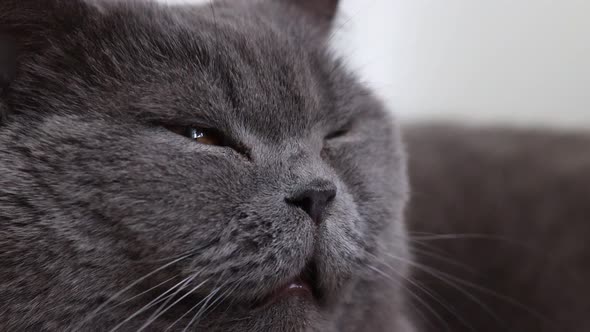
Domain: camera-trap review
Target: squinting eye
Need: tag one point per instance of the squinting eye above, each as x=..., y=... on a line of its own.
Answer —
x=201, y=135
x=337, y=133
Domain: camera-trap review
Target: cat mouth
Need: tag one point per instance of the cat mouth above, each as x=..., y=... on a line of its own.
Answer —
x=304, y=286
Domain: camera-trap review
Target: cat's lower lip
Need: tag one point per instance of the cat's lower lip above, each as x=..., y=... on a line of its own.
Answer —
x=302, y=287
x=296, y=287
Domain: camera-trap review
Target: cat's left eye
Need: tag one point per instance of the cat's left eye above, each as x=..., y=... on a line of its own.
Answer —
x=200, y=135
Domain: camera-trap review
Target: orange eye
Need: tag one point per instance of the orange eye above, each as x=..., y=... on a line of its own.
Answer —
x=201, y=135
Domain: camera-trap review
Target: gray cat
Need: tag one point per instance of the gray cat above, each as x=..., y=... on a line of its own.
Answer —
x=215, y=168
x=193, y=168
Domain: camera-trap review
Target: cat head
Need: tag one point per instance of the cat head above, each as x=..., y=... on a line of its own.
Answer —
x=188, y=166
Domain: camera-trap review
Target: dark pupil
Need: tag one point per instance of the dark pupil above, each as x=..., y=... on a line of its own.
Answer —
x=194, y=133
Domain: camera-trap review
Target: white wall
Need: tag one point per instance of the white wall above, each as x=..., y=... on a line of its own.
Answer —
x=523, y=62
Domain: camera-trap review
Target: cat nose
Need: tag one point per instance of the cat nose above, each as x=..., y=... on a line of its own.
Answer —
x=313, y=198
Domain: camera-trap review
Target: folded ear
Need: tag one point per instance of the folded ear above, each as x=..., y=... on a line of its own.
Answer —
x=27, y=29
x=27, y=26
x=8, y=57
x=321, y=12
x=29, y=21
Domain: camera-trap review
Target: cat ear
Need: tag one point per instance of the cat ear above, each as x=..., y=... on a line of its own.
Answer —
x=8, y=57
x=32, y=22
x=322, y=10
x=319, y=12
x=28, y=26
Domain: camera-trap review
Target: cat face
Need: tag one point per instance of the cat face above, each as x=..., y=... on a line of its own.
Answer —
x=208, y=167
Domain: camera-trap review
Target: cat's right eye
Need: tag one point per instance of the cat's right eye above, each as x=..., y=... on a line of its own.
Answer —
x=338, y=133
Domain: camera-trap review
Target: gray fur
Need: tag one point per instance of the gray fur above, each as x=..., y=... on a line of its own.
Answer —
x=95, y=193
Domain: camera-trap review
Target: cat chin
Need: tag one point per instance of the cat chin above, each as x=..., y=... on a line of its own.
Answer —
x=297, y=304
x=289, y=313
x=292, y=311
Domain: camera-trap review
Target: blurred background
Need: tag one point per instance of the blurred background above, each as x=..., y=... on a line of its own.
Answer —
x=514, y=62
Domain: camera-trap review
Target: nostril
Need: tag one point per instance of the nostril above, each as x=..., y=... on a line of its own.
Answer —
x=314, y=198
x=304, y=204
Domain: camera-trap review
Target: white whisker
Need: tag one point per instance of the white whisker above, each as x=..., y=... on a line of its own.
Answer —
x=155, y=301
x=170, y=298
x=140, y=294
x=116, y=295
x=414, y=295
x=206, y=307
x=207, y=299
x=446, y=279
x=152, y=319
x=448, y=307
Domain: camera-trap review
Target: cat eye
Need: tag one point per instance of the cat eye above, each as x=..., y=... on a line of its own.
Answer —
x=200, y=135
x=338, y=133
x=209, y=136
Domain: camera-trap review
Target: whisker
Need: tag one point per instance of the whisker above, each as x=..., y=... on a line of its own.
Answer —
x=203, y=302
x=141, y=294
x=215, y=302
x=186, y=313
x=203, y=308
x=414, y=295
x=152, y=319
x=436, y=254
x=428, y=292
x=116, y=295
x=425, y=236
x=452, y=281
x=444, y=259
x=155, y=301
x=429, y=251
x=170, y=298
x=193, y=307
x=435, y=272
